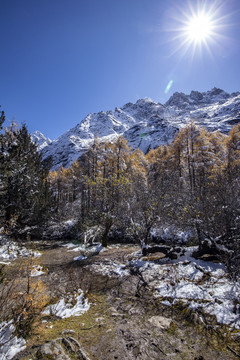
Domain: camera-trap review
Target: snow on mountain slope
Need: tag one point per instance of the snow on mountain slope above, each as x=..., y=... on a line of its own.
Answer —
x=41, y=141
x=146, y=124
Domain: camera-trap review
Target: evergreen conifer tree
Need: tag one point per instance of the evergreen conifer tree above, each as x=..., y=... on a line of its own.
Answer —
x=2, y=118
x=25, y=194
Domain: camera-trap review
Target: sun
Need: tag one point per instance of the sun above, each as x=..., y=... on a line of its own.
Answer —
x=199, y=28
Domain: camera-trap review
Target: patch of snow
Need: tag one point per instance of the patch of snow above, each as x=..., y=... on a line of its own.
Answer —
x=122, y=246
x=81, y=257
x=110, y=268
x=10, y=250
x=200, y=284
x=138, y=263
x=10, y=345
x=85, y=249
x=115, y=269
x=120, y=270
x=69, y=245
x=197, y=283
x=77, y=248
x=99, y=248
x=74, y=305
x=37, y=270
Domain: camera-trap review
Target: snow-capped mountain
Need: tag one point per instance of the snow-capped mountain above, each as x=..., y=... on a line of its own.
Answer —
x=41, y=141
x=146, y=124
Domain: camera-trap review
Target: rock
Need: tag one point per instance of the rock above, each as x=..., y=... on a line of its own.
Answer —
x=155, y=249
x=60, y=348
x=115, y=313
x=172, y=255
x=81, y=352
x=136, y=351
x=209, y=257
x=135, y=311
x=99, y=319
x=69, y=346
x=160, y=322
x=154, y=257
x=52, y=350
x=68, y=332
x=208, y=250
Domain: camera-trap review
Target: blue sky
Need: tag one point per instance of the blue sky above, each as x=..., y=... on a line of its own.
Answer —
x=62, y=59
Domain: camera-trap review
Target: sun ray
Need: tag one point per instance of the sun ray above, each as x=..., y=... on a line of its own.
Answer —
x=197, y=28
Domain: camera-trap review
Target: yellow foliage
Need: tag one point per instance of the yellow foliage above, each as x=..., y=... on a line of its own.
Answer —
x=30, y=298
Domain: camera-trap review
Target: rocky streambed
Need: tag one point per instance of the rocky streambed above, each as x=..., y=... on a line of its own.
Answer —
x=129, y=315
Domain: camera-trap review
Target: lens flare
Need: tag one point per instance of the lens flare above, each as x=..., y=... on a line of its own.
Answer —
x=168, y=87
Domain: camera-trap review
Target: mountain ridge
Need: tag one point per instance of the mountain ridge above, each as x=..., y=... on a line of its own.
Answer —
x=145, y=124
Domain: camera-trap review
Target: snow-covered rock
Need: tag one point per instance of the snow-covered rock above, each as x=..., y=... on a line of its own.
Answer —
x=10, y=344
x=145, y=124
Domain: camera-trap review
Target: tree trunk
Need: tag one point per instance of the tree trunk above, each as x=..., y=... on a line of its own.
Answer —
x=108, y=226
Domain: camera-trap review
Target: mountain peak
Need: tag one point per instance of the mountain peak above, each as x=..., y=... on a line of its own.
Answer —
x=177, y=99
x=145, y=100
x=41, y=140
x=145, y=124
x=180, y=99
x=216, y=91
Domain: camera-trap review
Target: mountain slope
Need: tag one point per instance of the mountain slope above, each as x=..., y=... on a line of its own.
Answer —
x=147, y=124
x=40, y=140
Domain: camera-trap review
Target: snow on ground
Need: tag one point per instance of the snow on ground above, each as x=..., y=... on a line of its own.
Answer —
x=37, y=270
x=74, y=305
x=96, y=248
x=10, y=345
x=79, y=258
x=10, y=250
x=201, y=285
x=85, y=250
x=69, y=245
x=110, y=268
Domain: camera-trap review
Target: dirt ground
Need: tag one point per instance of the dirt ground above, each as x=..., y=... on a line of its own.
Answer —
x=124, y=321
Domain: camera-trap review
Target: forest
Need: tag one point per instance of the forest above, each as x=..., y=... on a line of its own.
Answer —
x=191, y=185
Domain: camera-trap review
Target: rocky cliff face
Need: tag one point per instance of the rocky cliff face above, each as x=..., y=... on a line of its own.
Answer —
x=145, y=124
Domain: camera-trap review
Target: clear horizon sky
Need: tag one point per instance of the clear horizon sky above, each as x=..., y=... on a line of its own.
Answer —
x=62, y=59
